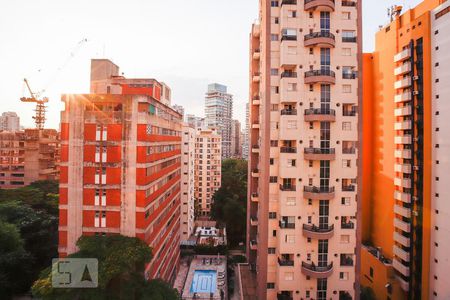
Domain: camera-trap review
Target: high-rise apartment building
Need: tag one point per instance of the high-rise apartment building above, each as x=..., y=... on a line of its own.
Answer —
x=9, y=121
x=219, y=114
x=236, y=144
x=303, y=167
x=121, y=166
x=179, y=109
x=406, y=148
x=187, y=182
x=196, y=122
x=208, y=168
x=246, y=135
x=28, y=156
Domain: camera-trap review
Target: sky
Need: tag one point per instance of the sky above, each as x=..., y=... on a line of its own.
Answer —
x=186, y=44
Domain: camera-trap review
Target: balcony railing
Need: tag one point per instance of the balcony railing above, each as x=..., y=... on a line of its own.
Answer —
x=352, y=75
x=285, y=262
x=348, y=225
x=288, y=2
x=324, y=39
x=349, y=113
x=318, y=229
x=313, y=268
x=289, y=38
x=288, y=112
x=348, y=188
x=313, y=4
x=349, y=39
x=288, y=188
x=320, y=151
x=346, y=262
x=288, y=150
x=289, y=75
x=286, y=225
x=313, y=73
x=320, y=34
x=319, y=190
x=349, y=3
x=320, y=111
x=349, y=151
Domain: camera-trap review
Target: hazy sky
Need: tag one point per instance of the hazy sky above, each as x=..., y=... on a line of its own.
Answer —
x=186, y=44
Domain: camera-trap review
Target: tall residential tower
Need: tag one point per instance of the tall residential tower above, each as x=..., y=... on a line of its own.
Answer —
x=303, y=166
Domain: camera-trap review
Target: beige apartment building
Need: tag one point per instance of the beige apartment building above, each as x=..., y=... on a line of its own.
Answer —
x=303, y=162
x=187, y=182
x=28, y=156
x=208, y=168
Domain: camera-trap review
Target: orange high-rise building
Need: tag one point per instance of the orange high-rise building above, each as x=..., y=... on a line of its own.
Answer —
x=406, y=146
x=121, y=166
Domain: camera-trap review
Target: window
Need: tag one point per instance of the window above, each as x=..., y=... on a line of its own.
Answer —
x=371, y=272
x=345, y=239
x=292, y=14
x=343, y=275
x=345, y=201
x=290, y=239
x=346, y=88
x=292, y=87
x=271, y=250
x=274, y=37
x=274, y=143
x=346, y=126
x=290, y=201
x=274, y=72
x=274, y=3
x=346, y=51
x=272, y=215
x=292, y=124
x=275, y=89
x=271, y=161
x=273, y=179
x=291, y=162
x=270, y=285
x=346, y=163
x=289, y=276
x=346, y=15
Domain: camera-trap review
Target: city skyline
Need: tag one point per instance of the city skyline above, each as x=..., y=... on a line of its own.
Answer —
x=183, y=73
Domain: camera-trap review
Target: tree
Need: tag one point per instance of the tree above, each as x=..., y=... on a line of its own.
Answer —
x=230, y=201
x=367, y=293
x=120, y=272
x=14, y=261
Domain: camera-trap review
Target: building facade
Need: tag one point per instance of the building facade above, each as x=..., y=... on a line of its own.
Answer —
x=208, y=169
x=28, y=156
x=302, y=228
x=219, y=114
x=236, y=139
x=179, y=109
x=9, y=121
x=187, y=182
x=121, y=166
x=196, y=122
x=406, y=149
x=246, y=135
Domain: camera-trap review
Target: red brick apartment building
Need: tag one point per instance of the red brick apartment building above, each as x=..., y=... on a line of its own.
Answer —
x=120, y=166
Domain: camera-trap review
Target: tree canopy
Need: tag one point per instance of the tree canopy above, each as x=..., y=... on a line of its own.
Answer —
x=121, y=263
x=230, y=201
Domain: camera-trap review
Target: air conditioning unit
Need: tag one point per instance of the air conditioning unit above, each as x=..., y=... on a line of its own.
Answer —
x=415, y=93
x=415, y=77
x=416, y=168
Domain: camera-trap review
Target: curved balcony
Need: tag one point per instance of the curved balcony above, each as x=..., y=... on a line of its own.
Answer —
x=318, y=233
x=320, y=115
x=318, y=193
x=319, y=154
x=320, y=76
x=255, y=173
x=255, y=197
x=322, y=5
x=322, y=39
x=314, y=271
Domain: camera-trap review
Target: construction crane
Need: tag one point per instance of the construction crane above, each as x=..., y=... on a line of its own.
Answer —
x=39, y=118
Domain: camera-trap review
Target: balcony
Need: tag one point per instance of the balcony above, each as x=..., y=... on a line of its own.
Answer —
x=257, y=54
x=288, y=112
x=399, y=252
x=256, y=77
x=286, y=225
x=403, y=283
x=348, y=188
x=322, y=39
x=289, y=74
x=254, y=221
x=253, y=245
x=286, y=37
x=285, y=262
x=402, y=211
x=401, y=239
x=404, y=97
x=255, y=173
x=348, y=3
x=347, y=225
x=406, y=227
x=402, y=168
x=349, y=39
x=403, y=111
x=254, y=197
x=256, y=100
x=316, y=272
x=320, y=77
x=255, y=125
x=403, y=182
x=318, y=193
x=318, y=232
x=255, y=149
x=405, y=54
x=346, y=260
x=405, y=125
x=404, y=197
x=403, y=83
x=399, y=266
x=320, y=115
x=288, y=2
x=319, y=154
x=403, y=69
x=405, y=154
x=288, y=150
x=287, y=188
x=321, y=5
x=403, y=140
x=256, y=30
x=349, y=75
x=351, y=150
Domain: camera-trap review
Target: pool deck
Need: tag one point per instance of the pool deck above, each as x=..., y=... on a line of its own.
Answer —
x=219, y=264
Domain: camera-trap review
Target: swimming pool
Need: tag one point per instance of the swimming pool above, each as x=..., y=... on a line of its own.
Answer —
x=204, y=281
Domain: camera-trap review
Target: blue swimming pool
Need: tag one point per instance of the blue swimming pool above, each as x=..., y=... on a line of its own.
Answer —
x=204, y=281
